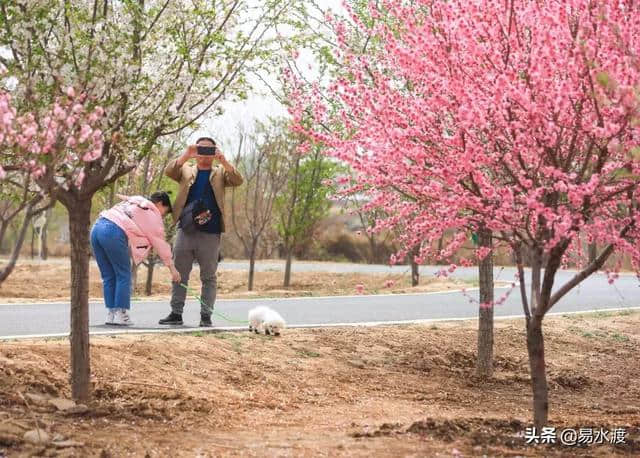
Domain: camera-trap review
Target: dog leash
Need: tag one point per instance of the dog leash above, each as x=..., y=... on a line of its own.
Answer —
x=218, y=314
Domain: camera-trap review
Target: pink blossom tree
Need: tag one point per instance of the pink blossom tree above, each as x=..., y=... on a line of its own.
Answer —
x=57, y=147
x=516, y=120
x=320, y=41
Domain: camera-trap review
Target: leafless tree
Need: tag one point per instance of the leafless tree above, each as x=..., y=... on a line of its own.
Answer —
x=265, y=171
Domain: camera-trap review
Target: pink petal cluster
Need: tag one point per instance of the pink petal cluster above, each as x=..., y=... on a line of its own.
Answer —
x=66, y=133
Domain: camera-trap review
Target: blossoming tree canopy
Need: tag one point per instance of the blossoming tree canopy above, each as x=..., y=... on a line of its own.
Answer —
x=520, y=116
x=54, y=145
x=515, y=117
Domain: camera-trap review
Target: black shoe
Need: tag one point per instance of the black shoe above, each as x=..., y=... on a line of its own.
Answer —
x=172, y=318
x=205, y=321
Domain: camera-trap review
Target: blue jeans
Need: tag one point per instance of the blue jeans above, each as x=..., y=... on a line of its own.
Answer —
x=111, y=249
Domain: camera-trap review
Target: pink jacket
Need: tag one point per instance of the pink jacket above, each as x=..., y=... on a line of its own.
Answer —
x=141, y=220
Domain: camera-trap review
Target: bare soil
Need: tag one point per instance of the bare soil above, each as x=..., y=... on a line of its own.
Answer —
x=381, y=391
x=37, y=281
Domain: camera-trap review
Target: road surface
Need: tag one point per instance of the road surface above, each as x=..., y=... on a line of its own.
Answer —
x=52, y=319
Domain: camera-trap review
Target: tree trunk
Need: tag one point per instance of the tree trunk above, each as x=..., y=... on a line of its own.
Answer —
x=3, y=232
x=440, y=246
x=373, y=249
x=415, y=274
x=112, y=195
x=33, y=242
x=79, y=223
x=535, y=347
x=287, y=267
x=415, y=268
x=536, y=269
x=484, y=363
x=149, y=284
x=593, y=252
x=252, y=266
x=134, y=277
x=43, y=237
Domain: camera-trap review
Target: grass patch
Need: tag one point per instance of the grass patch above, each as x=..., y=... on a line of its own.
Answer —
x=231, y=335
x=600, y=334
x=224, y=336
x=619, y=337
x=306, y=353
x=236, y=346
x=613, y=313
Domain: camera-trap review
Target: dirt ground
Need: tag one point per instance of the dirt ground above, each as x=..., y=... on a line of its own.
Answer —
x=39, y=281
x=382, y=391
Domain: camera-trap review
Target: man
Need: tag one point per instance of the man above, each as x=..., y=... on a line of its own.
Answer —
x=201, y=186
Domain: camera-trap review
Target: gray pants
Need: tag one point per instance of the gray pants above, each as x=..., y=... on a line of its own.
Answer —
x=204, y=248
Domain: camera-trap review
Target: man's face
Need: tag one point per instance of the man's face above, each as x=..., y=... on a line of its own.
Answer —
x=204, y=162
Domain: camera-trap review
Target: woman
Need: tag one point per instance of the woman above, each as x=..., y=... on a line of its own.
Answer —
x=132, y=227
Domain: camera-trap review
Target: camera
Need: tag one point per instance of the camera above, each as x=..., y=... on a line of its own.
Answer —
x=206, y=150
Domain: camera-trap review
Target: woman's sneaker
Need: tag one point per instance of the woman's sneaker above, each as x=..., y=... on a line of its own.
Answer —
x=123, y=318
x=111, y=316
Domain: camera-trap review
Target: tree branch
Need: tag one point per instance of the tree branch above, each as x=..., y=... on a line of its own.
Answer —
x=591, y=268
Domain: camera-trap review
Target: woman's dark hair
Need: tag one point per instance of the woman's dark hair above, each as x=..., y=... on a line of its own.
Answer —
x=206, y=138
x=161, y=196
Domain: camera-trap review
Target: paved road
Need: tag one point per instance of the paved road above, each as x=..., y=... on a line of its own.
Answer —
x=595, y=293
x=506, y=273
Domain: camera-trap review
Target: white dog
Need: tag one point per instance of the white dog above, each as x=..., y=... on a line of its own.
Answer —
x=267, y=320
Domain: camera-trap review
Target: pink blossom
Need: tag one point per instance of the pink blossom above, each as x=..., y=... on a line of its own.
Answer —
x=482, y=253
x=92, y=155
x=7, y=118
x=303, y=148
x=360, y=288
x=71, y=120
x=79, y=179
x=71, y=93
x=85, y=131
x=30, y=131
x=38, y=171
x=58, y=112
